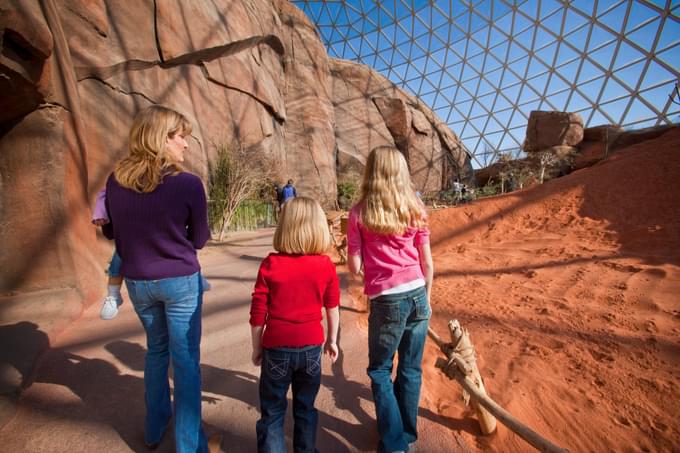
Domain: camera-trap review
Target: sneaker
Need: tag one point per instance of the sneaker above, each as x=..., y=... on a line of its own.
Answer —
x=110, y=308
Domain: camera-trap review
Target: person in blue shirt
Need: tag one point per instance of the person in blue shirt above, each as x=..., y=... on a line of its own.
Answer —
x=288, y=192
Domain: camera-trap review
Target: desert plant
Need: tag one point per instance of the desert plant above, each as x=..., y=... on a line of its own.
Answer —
x=236, y=177
x=348, y=192
x=506, y=169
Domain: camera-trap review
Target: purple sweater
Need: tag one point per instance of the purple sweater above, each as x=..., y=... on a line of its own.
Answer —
x=157, y=233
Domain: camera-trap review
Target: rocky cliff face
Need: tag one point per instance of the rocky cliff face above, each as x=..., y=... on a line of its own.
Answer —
x=74, y=73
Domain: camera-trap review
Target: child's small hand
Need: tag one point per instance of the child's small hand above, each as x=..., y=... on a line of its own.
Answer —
x=257, y=357
x=332, y=350
x=100, y=222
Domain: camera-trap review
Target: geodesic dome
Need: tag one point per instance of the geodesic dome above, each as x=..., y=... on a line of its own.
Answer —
x=483, y=66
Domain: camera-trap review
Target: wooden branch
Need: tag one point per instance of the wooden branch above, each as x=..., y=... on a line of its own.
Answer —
x=523, y=431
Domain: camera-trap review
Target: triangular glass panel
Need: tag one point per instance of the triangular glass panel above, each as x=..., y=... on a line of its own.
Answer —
x=553, y=23
x=547, y=53
x=614, y=90
x=501, y=118
x=670, y=35
x=491, y=64
x=604, y=55
x=670, y=56
x=578, y=102
x=577, y=38
x=509, y=79
x=569, y=70
x=598, y=37
x=493, y=76
x=482, y=36
x=536, y=67
x=485, y=87
x=656, y=74
x=451, y=75
x=519, y=66
x=566, y=54
x=504, y=23
x=469, y=73
x=462, y=96
x=598, y=117
x=483, y=8
x=496, y=37
x=502, y=102
x=526, y=38
x=613, y=18
x=630, y=75
x=615, y=109
x=477, y=62
x=500, y=9
x=589, y=71
x=627, y=54
x=548, y=7
x=639, y=13
x=543, y=38
x=586, y=7
x=575, y=20
x=539, y=83
x=556, y=85
x=493, y=138
x=523, y=23
x=658, y=97
x=592, y=88
x=645, y=36
x=530, y=8
x=638, y=112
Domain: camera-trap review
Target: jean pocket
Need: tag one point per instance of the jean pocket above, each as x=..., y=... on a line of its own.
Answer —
x=423, y=310
x=313, y=359
x=277, y=366
x=385, y=312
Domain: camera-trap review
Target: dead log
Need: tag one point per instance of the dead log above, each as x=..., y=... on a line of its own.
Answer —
x=467, y=375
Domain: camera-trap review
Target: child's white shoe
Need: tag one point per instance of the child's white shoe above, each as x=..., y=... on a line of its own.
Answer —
x=110, y=308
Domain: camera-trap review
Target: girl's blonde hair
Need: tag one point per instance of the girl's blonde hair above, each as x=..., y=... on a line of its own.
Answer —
x=389, y=204
x=302, y=228
x=146, y=164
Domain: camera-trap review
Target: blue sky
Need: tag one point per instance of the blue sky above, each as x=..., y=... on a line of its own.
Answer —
x=482, y=66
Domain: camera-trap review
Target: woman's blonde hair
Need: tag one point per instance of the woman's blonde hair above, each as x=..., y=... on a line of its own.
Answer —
x=302, y=228
x=389, y=204
x=146, y=164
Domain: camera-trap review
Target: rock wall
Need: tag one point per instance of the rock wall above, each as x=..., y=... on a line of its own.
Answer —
x=74, y=73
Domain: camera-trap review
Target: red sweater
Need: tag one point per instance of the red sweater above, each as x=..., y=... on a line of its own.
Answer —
x=289, y=293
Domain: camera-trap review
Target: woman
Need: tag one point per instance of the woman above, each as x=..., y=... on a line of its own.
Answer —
x=158, y=218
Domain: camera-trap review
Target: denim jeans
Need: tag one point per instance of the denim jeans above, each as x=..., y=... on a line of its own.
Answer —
x=282, y=367
x=170, y=311
x=114, y=266
x=397, y=324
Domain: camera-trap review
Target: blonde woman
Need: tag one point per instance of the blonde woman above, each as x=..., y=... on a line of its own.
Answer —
x=158, y=218
x=388, y=243
x=285, y=317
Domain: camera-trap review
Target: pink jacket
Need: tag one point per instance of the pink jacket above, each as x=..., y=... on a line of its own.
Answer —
x=389, y=260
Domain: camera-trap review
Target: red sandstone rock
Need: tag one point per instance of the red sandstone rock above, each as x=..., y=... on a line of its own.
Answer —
x=546, y=129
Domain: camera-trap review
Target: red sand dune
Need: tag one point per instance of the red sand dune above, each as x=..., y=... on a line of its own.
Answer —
x=571, y=294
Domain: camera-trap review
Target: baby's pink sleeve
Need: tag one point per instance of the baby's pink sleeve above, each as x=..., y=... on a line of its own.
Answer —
x=99, y=211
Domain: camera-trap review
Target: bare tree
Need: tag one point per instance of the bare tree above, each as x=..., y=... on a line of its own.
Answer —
x=237, y=176
x=546, y=159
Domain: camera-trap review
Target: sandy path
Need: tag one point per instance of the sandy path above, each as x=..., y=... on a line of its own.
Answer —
x=87, y=393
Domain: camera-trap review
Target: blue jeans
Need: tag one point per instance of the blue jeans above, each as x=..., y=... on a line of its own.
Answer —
x=282, y=367
x=397, y=323
x=170, y=311
x=114, y=266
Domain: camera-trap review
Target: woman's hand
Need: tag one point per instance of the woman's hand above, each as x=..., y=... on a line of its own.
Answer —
x=332, y=350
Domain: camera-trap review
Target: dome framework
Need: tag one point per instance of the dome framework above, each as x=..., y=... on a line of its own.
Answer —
x=483, y=66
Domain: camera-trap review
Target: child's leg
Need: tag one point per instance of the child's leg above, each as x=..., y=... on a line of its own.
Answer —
x=275, y=379
x=205, y=284
x=113, y=297
x=306, y=383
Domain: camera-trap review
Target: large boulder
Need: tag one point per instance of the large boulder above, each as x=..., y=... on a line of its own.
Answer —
x=389, y=116
x=547, y=129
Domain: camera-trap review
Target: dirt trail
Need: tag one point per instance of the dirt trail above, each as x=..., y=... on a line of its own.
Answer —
x=88, y=393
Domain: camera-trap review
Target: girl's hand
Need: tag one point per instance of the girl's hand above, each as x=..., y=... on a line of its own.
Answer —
x=257, y=357
x=332, y=350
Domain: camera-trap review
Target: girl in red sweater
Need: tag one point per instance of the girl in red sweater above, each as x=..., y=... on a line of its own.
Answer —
x=285, y=317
